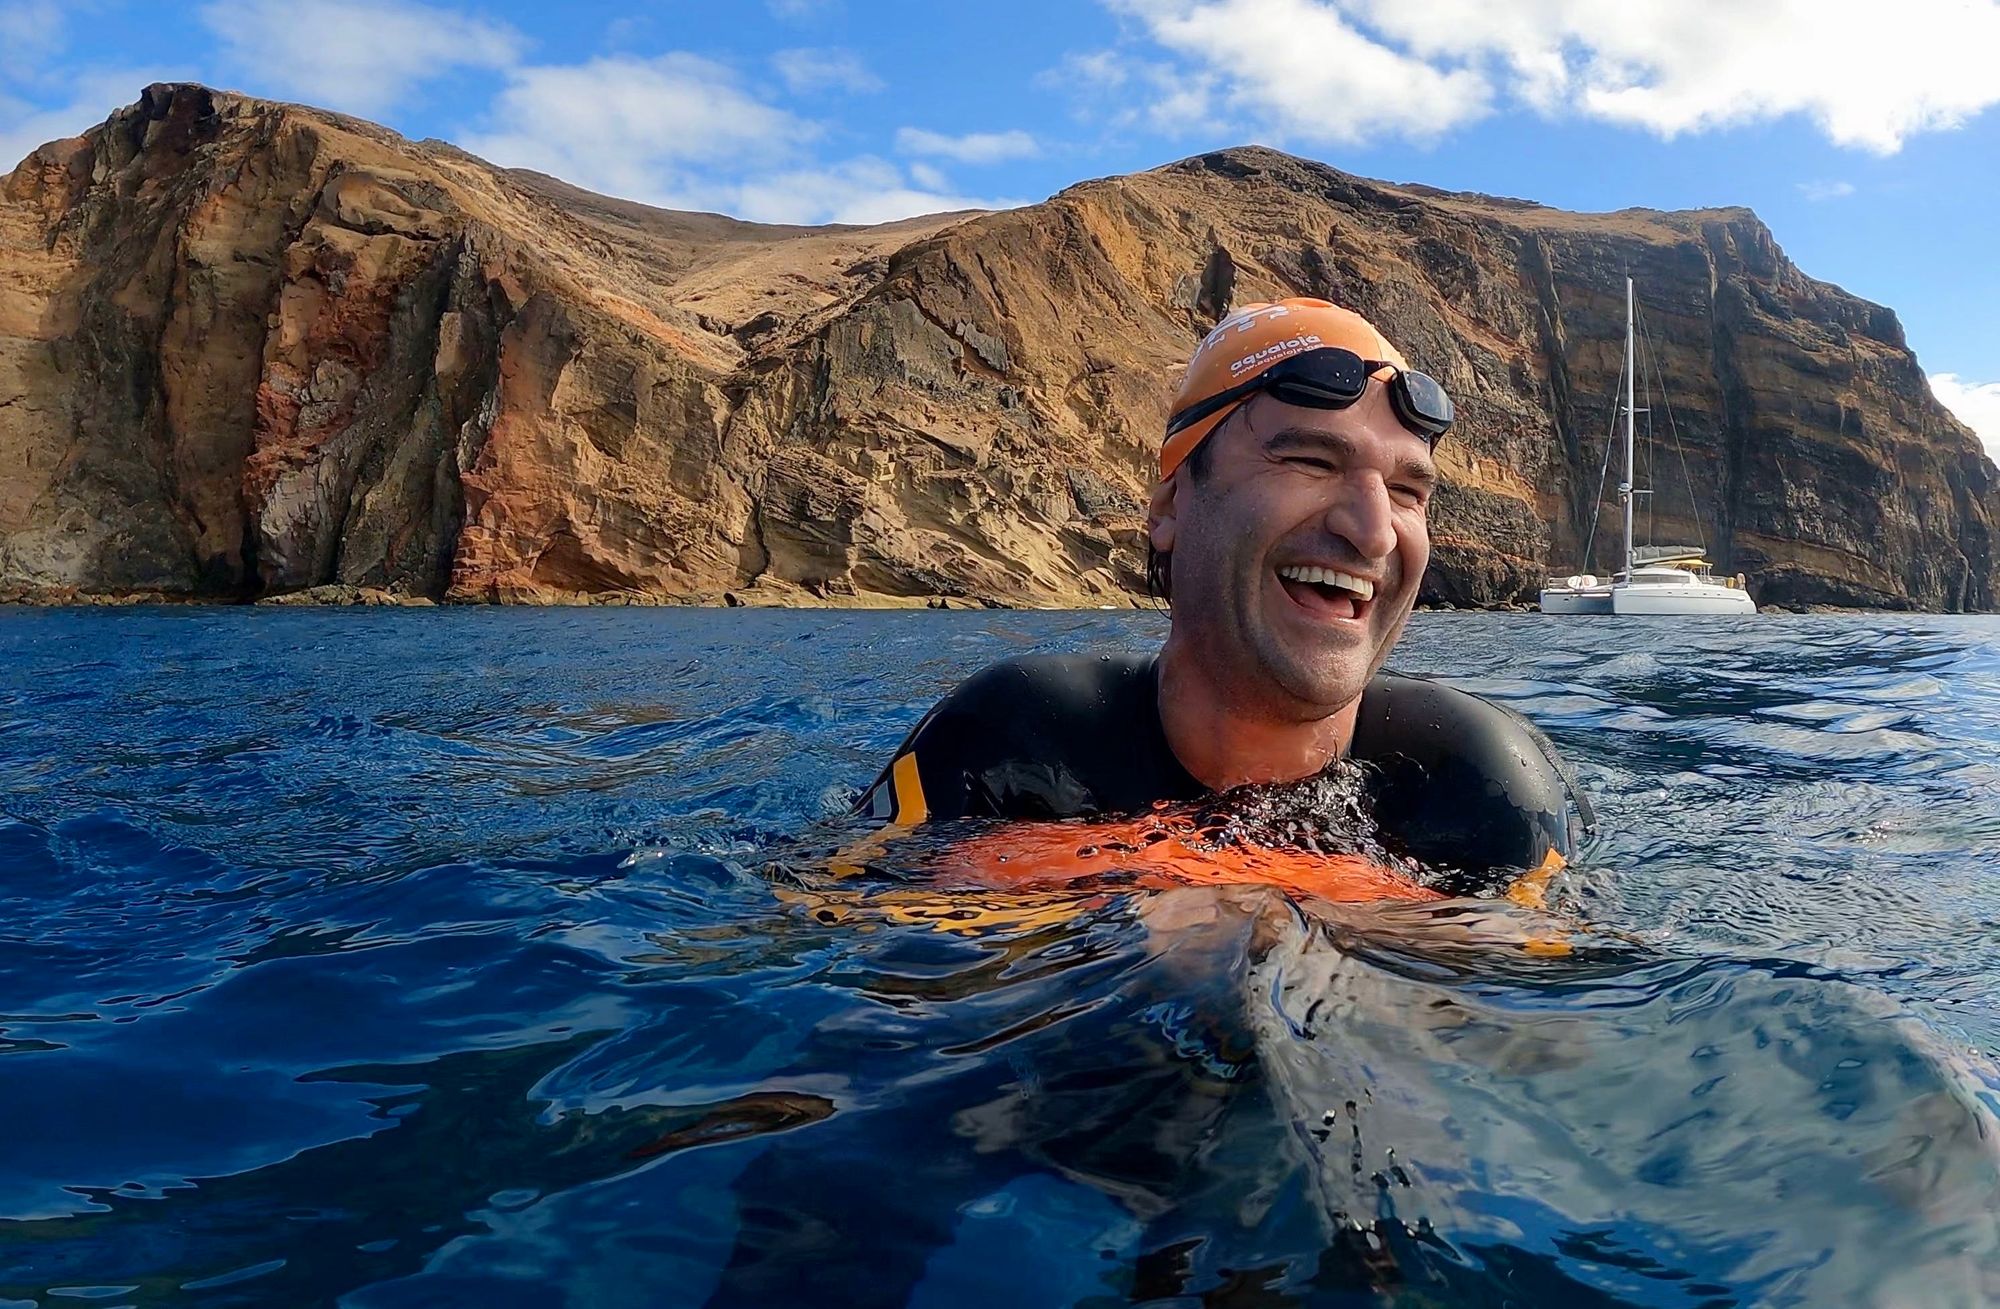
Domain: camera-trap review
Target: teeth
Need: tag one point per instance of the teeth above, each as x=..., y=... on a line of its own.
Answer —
x=1329, y=577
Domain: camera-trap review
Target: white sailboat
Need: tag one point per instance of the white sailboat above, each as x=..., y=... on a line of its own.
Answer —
x=1673, y=580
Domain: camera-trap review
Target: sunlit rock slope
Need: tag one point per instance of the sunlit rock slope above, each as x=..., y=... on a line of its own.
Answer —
x=249, y=348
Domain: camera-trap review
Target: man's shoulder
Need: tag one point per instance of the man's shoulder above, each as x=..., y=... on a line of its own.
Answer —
x=1463, y=781
x=1026, y=736
x=1040, y=686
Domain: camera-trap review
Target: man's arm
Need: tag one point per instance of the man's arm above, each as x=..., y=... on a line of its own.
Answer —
x=934, y=772
x=897, y=797
x=1036, y=737
x=1464, y=782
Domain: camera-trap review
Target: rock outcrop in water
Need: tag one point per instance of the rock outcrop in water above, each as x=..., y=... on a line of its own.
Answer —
x=249, y=348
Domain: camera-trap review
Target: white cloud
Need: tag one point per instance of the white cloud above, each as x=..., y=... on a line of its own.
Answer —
x=1818, y=191
x=91, y=98
x=1305, y=69
x=685, y=132
x=1180, y=103
x=972, y=148
x=807, y=71
x=864, y=190
x=1346, y=70
x=1112, y=88
x=798, y=11
x=43, y=97
x=678, y=130
x=929, y=176
x=638, y=128
x=627, y=29
x=361, y=56
x=31, y=34
x=1104, y=70
x=1977, y=405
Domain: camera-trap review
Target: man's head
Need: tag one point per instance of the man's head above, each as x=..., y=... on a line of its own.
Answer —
x=1291, y=504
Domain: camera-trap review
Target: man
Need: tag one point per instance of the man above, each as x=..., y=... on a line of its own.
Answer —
x=1289, y=532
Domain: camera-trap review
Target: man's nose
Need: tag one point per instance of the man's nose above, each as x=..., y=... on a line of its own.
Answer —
x=1364, y=516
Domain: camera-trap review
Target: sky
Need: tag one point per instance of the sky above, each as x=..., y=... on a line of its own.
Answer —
x=1866, y=136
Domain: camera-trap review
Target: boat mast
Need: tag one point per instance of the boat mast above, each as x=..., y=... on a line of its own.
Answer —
x=1625, y=487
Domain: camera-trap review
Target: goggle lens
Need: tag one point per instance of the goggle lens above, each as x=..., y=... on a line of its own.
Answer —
x=1334, y=378
x=1331, y=377
x=1422, y=403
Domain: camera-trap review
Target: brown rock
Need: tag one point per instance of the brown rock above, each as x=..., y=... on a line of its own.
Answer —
x=250, y=348
x=342, y=594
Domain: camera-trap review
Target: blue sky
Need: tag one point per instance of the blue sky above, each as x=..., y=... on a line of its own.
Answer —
x=1867, y=137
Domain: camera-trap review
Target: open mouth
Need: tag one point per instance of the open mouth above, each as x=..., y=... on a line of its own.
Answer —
x=1327, y=592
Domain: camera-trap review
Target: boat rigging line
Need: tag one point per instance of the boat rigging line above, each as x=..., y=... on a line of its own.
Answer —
x=1673, y=432
x=1603, y=473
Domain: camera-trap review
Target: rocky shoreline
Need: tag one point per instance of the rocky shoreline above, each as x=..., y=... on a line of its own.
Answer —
x=254, y=349
x=338, y=596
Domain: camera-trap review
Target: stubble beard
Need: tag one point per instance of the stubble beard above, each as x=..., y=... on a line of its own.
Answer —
x=1317, y=680
x=1260, y=670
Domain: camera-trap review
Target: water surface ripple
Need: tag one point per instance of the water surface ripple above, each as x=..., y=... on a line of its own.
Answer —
x=467, y=955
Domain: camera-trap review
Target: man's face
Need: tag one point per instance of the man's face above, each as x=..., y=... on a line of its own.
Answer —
x=1287, y=488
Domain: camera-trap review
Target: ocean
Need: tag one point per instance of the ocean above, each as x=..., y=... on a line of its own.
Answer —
x=490, y=956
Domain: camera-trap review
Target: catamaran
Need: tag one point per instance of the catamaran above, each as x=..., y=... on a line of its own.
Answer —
x=1657, y=579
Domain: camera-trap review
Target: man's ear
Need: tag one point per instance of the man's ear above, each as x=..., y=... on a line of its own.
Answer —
x=1160, y=514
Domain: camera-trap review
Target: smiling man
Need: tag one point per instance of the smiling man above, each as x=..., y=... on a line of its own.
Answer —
x=1289, y=532
x=1291, y=518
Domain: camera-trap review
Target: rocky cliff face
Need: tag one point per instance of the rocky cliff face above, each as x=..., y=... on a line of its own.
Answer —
x=249, y=348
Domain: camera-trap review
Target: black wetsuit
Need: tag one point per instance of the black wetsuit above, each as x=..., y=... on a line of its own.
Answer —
x=1107, y=1094
x=1455, y=780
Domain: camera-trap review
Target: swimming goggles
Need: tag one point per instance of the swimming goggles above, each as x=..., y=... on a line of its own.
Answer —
x=1332, y=378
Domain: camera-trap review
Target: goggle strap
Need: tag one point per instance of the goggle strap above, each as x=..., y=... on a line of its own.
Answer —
x=1221, y=400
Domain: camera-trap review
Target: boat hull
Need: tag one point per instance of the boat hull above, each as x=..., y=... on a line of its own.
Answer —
x=1681, y=601
x=1572, y=600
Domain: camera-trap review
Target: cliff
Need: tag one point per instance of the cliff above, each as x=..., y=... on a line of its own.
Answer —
x=249, y=348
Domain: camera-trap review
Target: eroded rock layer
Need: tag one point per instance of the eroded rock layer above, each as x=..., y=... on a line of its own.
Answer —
x=250, y=348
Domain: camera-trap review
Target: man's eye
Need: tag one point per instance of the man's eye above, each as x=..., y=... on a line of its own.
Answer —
x=1410, y=495
x=1313, y=462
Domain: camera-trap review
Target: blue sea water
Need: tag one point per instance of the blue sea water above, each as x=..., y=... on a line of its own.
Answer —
x=475, y=956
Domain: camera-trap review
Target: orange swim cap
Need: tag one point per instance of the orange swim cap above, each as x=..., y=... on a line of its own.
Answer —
x=1251, y=340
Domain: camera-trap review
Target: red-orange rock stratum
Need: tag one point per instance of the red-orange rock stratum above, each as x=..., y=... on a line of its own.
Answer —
x=249, y=348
